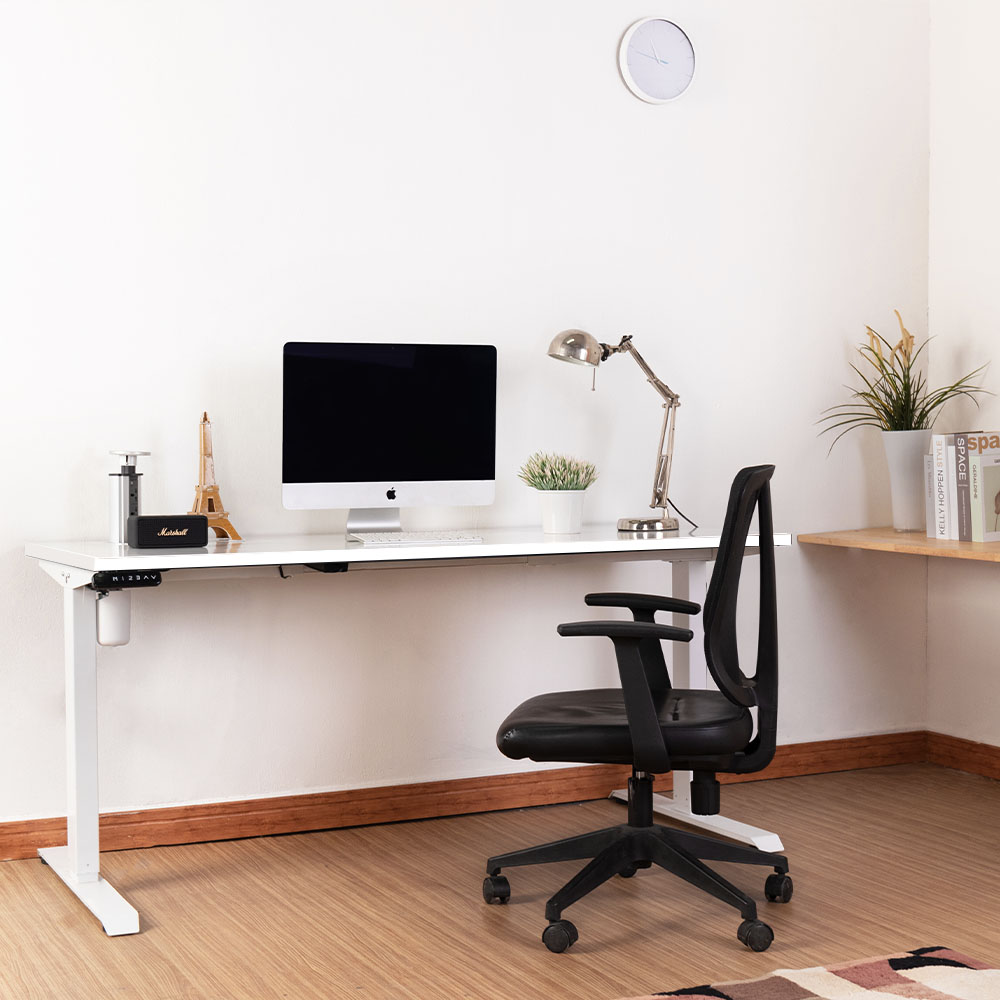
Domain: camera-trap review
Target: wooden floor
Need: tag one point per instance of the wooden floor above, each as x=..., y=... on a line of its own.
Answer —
x=883, y=860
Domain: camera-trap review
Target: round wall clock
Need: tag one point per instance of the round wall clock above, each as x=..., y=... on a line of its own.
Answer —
x=656, y=60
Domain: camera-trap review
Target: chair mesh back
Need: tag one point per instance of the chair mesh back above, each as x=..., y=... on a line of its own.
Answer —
x=750, y=491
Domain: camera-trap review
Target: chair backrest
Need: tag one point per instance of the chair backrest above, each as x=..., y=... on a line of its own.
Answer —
x=750, y=490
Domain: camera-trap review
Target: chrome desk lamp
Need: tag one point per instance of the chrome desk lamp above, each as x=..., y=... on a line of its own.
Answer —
x=581, y=348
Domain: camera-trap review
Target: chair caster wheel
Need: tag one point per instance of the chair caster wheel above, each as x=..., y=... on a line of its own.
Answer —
x=778, y=888
x=628, y=872
x=755, y=934
x=496, y=889
x=559, y=935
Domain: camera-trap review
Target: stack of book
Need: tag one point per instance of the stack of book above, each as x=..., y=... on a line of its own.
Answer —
x=962, y=476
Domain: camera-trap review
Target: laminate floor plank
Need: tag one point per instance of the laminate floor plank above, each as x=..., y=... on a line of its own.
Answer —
x=883, y=860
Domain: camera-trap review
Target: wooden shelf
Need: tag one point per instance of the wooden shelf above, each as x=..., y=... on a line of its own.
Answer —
x=908, y=542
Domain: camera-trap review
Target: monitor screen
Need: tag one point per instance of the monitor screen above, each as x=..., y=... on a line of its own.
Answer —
x=382, y=425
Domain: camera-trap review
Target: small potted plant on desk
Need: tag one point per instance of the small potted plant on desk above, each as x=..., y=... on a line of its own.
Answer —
x=895, y=398
x=561, y=482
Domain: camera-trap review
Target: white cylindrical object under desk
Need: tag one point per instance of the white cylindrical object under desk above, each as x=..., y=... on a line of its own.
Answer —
x=114, y=617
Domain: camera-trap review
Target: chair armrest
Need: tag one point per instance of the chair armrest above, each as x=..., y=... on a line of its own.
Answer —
x=627, y=630
x=644, y=608
x=643, y=602
x=649, y=751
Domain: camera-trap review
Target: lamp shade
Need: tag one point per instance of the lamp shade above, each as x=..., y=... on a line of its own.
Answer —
x=576, y=346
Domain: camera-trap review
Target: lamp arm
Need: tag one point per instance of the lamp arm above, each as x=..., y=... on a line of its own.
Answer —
x=665, y=451
x=625, y=346
x=665, y=456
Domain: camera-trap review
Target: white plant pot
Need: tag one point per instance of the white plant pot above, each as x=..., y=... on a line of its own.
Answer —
x=562, y=511
x=904, y=454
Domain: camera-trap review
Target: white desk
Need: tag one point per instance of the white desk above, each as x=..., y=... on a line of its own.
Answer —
x=73, y=565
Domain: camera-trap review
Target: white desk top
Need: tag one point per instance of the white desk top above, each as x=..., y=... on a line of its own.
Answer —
x=301, y=549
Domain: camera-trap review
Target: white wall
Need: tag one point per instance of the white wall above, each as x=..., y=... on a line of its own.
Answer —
x=963, y=681
x=185, y=186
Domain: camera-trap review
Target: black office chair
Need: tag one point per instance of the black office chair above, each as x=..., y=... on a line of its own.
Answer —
x=657, y=728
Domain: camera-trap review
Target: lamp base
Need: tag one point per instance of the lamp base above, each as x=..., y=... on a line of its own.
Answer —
x=650, y=524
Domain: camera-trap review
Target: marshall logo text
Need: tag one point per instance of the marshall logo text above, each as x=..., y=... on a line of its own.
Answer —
x=167, y=531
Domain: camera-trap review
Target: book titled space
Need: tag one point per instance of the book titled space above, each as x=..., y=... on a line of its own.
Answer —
x=962, y=483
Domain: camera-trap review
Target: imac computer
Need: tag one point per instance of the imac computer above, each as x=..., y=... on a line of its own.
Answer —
x=377, y=427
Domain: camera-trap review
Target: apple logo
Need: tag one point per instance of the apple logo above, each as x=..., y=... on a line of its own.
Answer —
x=390, y=494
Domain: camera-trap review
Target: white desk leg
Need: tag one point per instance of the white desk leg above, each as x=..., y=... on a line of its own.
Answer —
x=78, y=863
x=690, y=670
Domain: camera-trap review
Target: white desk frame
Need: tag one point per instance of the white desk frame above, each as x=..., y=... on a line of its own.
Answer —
x=73, y=565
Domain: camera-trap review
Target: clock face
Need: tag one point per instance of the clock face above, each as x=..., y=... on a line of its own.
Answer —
x=656, y=60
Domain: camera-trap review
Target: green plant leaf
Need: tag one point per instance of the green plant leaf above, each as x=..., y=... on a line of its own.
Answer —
x=894, y=394
x=543, y=471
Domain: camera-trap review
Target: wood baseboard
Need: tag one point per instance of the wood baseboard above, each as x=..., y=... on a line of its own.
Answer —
x=963, y=755
x=358, y=807
x=320, y=810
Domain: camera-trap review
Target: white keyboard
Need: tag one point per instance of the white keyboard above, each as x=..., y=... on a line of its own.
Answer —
x=415, y=537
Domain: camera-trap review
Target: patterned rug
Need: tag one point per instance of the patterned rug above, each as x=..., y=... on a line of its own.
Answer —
x=922, y=974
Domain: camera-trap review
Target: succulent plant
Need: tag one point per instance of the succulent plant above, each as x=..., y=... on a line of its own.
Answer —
x=557, y=472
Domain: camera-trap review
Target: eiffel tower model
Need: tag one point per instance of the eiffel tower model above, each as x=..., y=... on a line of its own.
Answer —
x=206, y=494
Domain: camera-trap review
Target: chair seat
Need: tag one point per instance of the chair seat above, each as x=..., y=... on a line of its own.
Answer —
x=591, y=727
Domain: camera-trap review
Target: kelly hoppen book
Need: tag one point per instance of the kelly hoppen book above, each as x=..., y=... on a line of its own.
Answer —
x=962, y=504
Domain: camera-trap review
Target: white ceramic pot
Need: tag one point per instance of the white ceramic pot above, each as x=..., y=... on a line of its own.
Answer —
x=904, y=454
x=562, y=511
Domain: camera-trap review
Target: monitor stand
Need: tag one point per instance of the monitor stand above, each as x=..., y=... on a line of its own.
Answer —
x=372, y=519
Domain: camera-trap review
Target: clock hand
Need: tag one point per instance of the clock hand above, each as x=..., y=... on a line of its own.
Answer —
x=656, y=55
x=648, y=56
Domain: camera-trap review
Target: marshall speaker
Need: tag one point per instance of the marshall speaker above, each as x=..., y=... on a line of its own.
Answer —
x=167, y=531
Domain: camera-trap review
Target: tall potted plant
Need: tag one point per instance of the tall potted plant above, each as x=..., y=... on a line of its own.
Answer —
x=561, y=482
x=896, y=399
